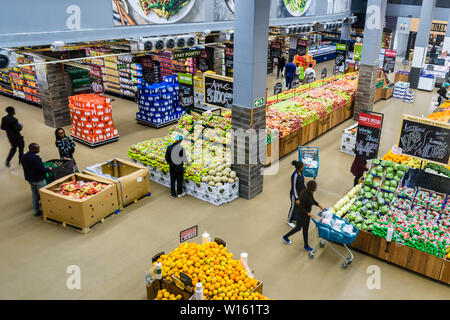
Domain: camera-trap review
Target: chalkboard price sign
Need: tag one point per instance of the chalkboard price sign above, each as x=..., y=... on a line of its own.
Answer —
x=425, y=139
x=278, y=88
x=389, y=61
x=368, y=135
x=218, y=91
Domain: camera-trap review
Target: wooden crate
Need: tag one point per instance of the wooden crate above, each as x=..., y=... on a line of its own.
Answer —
x=348, y=111
x=289, y=143
x=378, y=94
x=424, y=263
x=153, y=287
x=397, y=254
x=268, y=154
x=370, y=243
x=445, y=272
x=334, y=118
x=309, y=132
x=324, y=125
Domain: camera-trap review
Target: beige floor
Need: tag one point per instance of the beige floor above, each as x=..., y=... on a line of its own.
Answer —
x=114, y=256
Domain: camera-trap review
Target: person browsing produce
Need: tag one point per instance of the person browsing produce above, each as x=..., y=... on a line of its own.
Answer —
x=34, y=171
x=358, y=168
x=303, y=214
x=289, y=72
x=297, y=185
x=442, y=92
x=176, y=157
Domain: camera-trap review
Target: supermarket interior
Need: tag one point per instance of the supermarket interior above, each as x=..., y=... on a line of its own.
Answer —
x=172, y=150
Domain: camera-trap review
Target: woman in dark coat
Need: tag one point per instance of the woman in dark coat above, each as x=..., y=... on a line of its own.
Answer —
x=303, y=214
x=297, y=185
x=358, y=168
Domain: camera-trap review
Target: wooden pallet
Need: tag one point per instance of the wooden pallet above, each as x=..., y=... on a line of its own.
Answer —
x=94, y=144
x=76, y=228
x=140, y=198
x=157, y=126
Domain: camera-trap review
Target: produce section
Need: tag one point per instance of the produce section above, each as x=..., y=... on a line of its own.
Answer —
x=418, y=218
x=221, y=276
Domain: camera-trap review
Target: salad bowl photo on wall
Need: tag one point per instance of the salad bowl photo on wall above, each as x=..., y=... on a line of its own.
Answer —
x=162, y=11
x=297, y=8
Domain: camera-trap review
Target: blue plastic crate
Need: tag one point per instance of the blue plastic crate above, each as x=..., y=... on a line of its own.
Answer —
x=313, y=151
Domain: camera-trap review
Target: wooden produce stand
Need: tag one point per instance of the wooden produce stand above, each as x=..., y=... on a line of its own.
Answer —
x=404, y=256
x=309, y=132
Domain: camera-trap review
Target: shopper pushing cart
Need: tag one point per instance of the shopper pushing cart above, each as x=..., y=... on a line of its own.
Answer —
x=302, y=215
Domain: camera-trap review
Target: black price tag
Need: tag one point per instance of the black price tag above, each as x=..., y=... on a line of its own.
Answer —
x=157, y=256
x=186, y=279
x=220, y=242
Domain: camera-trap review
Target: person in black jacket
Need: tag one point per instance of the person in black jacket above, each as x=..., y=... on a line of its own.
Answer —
x=442, y=92
x=34, y=171
x=280, y=65
x=297, y=185
x=65, y=145
x=176, y=157
x=12, y=127
x=303, y=214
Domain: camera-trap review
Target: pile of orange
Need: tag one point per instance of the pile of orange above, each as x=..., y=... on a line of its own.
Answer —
x=395, y=157
x=442, y=116
x=222, y=277
x=165, y=295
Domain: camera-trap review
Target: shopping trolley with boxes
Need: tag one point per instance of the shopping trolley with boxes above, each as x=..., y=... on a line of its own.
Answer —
x=328, y=234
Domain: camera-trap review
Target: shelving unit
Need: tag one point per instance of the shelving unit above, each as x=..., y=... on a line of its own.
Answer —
x=21, y=82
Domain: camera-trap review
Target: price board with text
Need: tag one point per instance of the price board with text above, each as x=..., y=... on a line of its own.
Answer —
x=369, y=134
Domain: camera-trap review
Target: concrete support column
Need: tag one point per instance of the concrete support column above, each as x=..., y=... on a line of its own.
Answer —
x=420, y=47
x=250, y=68
x=373, y=31
x=345, y=32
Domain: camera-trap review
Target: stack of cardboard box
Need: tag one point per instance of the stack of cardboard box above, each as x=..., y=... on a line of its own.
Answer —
x=91, y=116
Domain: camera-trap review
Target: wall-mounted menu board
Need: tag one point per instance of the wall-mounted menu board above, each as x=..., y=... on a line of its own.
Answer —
x=218, y=91
x=425, y=139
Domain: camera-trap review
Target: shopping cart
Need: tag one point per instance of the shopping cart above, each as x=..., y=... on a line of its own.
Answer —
x=328, y=235
x=310, y=158
x=60, y=168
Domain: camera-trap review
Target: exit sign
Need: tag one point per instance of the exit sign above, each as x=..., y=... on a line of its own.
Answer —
x=259, y=102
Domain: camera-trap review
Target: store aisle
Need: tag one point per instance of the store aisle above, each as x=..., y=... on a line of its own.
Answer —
x=114, y=256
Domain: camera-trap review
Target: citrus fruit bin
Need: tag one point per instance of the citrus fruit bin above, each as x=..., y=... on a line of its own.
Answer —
x=222, y=277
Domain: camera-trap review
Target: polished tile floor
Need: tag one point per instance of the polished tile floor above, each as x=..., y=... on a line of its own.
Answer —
x=113, y=257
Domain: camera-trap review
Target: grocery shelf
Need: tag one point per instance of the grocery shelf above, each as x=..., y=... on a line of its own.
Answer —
x=37, y=104
x=119, y=95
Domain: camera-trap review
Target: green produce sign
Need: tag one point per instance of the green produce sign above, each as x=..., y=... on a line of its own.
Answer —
x=341, y=47
x=185, y=78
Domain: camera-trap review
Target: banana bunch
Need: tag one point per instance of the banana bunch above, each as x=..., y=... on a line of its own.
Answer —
x=415, y=163
x=447, y=252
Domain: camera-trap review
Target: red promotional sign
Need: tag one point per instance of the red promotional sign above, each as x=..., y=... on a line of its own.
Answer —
x=190, y=233
x=370, y=120
x=390, y=53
